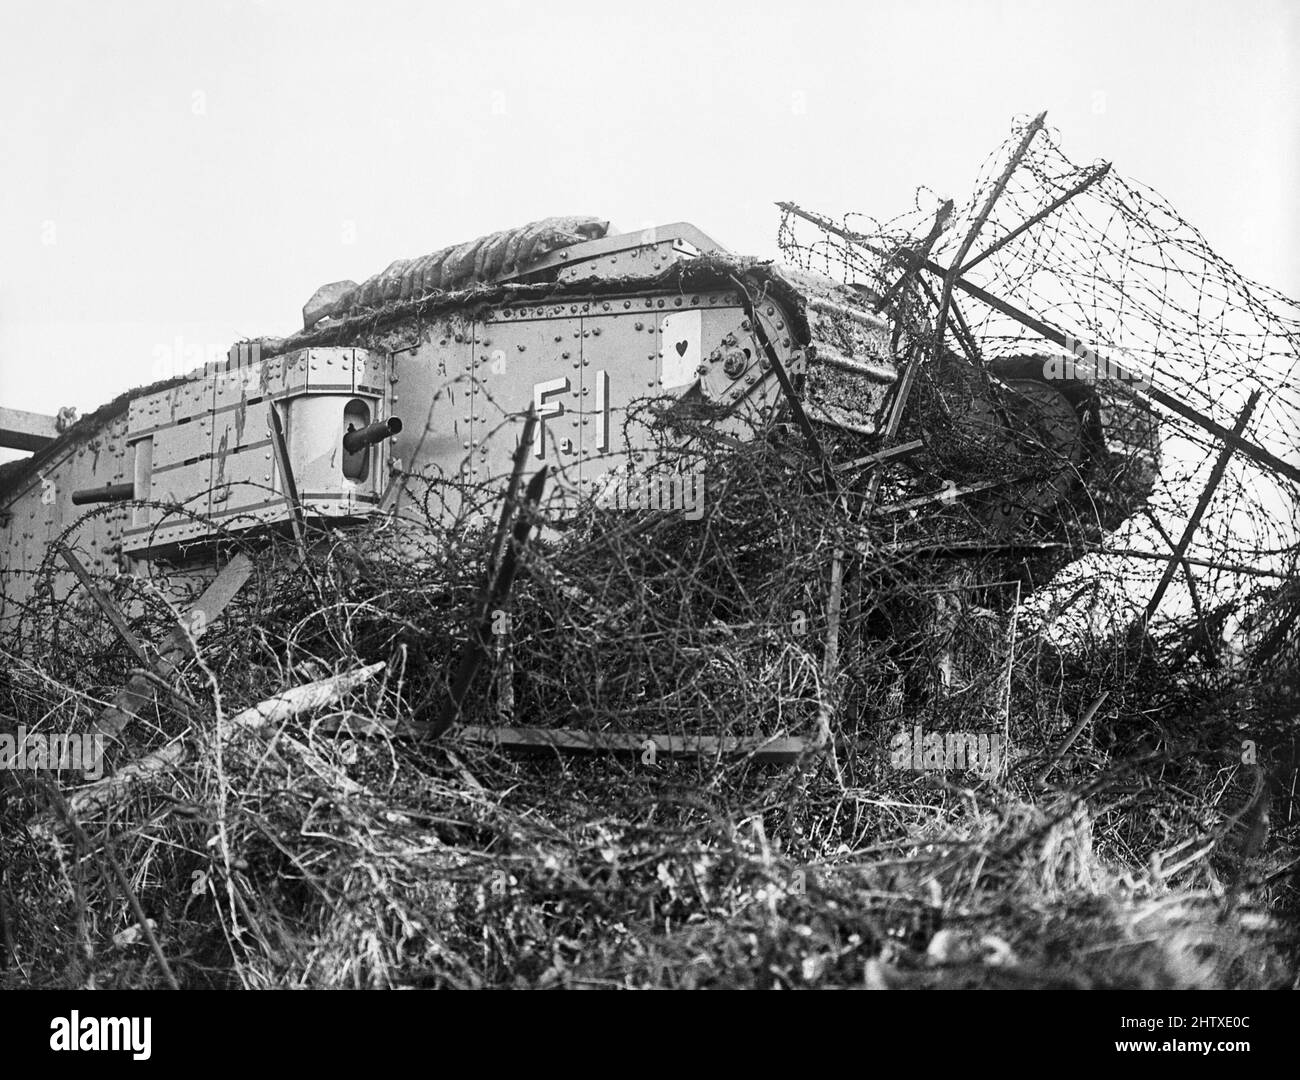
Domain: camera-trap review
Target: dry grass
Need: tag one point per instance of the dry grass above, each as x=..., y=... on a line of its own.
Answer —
x=336, y=851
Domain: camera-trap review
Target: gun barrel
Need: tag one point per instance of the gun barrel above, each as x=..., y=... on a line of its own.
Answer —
x=107, y=493
x=357, y=440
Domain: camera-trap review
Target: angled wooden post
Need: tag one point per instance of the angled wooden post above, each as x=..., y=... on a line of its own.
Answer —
x=1047, y=211
x=498, y=593
x=106, y=605
x=954, y=271
x=139, y=691
x=909, y=271
x=281, y=448
x=512, y=490
x=1194, y=522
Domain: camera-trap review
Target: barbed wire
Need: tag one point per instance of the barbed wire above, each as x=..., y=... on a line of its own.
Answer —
x=1118, y=269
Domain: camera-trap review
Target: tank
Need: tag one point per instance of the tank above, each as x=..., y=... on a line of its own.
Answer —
x=414, y=389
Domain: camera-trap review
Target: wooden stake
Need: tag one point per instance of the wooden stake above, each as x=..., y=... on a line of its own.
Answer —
x=787, y=387
x=281, y=448
x=1075, y=731
x=1194, y=522
x=936, y=231
x=830, y=662
x=954, y=271
x=70, y=822
x=1078, y=189
x=105, y=605
x=512, y=490
x=498, y=594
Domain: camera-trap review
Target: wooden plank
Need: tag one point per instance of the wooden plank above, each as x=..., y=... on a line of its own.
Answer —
x=21, y=430
x=305, y=698
x=211, y=603
x=1020, y=548
x=946, y=495
x=573, y=740
x=94, y=799
x=139, y=691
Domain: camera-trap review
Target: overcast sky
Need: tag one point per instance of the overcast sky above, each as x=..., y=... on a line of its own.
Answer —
x=194, y=172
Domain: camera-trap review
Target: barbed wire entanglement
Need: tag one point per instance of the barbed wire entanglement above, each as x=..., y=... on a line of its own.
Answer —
x=334, y=847
x=1130, y=282
x=1128, y=820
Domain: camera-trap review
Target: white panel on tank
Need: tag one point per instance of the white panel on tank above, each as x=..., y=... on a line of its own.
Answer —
x=679, y=348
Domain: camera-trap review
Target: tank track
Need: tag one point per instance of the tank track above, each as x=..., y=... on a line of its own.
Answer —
x=1121, y=443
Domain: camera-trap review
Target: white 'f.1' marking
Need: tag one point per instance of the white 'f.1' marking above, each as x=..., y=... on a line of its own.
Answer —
x=602, y=411
x=545, y=408
x=547, y=405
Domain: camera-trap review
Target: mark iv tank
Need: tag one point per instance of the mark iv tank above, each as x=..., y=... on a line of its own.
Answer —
x=412, y=390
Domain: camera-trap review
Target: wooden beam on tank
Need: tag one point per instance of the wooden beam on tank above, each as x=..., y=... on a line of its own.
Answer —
x=20, y=430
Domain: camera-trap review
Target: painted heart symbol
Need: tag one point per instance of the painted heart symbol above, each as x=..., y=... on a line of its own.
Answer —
x=682, y=346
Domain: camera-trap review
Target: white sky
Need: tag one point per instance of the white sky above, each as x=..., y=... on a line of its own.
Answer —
x=195, y=171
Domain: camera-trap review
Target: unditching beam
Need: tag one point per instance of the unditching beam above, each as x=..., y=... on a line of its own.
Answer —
x=20, y=430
